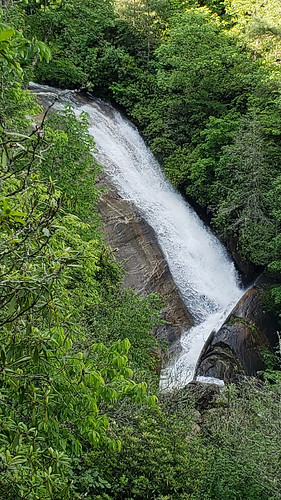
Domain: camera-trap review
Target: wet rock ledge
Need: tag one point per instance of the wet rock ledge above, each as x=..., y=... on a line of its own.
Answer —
x=236, y=349
x=135, y=245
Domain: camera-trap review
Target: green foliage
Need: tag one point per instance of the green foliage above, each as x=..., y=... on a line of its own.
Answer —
x=245, y=429
x=161, y=456
x=14, y=48
x=74, y=168
x=51, y=390
x=258, y=24
x=195, y=55
x=148, y=21
x=56, y=377
x=248, y=217
x=171, y=451
x=80, y=52
x=124, y=315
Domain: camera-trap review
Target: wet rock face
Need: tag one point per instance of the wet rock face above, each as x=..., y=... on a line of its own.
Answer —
x=237, y=348
x=249, y=272
x=135, y=245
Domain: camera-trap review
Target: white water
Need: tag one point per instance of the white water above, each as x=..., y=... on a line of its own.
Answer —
x=199, y=264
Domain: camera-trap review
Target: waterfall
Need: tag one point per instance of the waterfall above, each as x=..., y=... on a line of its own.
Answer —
x=199, y=264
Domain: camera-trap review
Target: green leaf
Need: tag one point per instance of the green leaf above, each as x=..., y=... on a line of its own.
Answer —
x=6, y=34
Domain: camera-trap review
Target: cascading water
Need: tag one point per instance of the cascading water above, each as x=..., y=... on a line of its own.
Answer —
x=198, y=262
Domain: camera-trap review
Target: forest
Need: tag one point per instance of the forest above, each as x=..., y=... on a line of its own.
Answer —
x=81, y=415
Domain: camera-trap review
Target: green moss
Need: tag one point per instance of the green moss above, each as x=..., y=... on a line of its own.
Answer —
x=234, y=319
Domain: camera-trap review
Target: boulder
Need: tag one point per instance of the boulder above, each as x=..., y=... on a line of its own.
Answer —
x=236, y=349
x=135, y=245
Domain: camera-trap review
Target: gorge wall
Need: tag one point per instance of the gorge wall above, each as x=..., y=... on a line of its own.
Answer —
x=135, y=245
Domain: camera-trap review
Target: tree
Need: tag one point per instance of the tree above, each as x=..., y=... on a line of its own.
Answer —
x=78, y=47
x=259, y=25
x=244, y=180
x=146, y=19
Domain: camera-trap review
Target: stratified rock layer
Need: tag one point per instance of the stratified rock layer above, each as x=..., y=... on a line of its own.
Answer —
x=135, y=245
x=236, y=349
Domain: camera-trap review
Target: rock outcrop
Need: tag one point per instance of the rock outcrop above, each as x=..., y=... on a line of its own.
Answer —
x=135, y=245
x=248, y=272
x=236, y=349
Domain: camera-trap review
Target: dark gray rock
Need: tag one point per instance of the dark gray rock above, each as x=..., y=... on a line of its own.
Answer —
x=248, y=271
x=236, y=349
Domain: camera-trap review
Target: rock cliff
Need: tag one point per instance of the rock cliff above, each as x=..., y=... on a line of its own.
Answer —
x=236, y=349
x=135, y=245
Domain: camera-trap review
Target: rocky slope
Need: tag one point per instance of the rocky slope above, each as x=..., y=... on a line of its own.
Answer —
x=135, y=245
x=237, y=348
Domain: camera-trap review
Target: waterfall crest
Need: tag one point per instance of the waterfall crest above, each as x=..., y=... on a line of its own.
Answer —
x=199, y=264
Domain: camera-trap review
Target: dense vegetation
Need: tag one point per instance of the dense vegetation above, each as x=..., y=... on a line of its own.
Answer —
x=78, y=418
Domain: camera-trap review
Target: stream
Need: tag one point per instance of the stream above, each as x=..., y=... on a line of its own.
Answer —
x=199, y=264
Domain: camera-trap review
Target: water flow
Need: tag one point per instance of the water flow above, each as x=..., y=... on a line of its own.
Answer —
x=199, y=265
